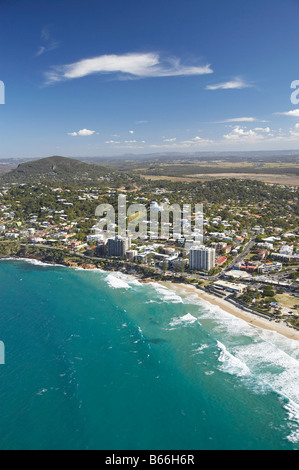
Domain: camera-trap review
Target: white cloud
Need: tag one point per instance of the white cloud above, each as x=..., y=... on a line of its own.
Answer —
x=292, y=113
x=263, y=129
x=196, y=140
x=294, y=133
x=131, y=132
x=258, y=134
x=112, y=142
x=237, y=83
x=241, y=119
x=170, y=140
x=85, y=132
x=132, y=65
x=82, y=132
x=241, y=133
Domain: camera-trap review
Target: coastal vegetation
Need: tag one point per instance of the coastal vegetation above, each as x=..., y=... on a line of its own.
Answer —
x=47, y=212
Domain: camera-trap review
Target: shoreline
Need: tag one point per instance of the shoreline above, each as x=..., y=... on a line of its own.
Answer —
x=251, y=318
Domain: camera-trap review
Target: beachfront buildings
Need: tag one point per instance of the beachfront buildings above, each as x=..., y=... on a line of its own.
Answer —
x=118, y=246
x=202, y=258
x=230, y=287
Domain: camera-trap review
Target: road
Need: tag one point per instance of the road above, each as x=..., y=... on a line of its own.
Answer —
x=240, y=257
x=236, y=260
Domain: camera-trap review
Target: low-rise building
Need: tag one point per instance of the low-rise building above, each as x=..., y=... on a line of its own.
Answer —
x=12, y=235
x=131, y=254
x=230, y=287
x=269, y=267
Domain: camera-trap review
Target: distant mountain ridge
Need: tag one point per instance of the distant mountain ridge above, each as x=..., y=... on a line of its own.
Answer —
x=57, y=168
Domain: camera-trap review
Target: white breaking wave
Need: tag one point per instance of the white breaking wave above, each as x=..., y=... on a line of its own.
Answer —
x=117, y=283
x=293, y=413
x=271, y=367
x=231, y=364
x=184, y=320
x=167, y=295
x=200, y=348
x=266, y=360
x=271, y=361
x=35, y=262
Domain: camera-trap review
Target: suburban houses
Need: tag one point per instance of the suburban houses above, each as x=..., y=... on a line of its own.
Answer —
x=237, y=249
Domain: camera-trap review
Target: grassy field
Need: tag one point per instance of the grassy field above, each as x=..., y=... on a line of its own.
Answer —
x=268, y=178
x=275, y=172
x=5, y=168
x=287, y=300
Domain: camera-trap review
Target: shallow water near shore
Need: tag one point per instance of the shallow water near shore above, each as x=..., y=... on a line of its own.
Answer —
x=97, y=360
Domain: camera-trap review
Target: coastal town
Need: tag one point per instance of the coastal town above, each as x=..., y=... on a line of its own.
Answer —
x=247, y=256
x=149, y=228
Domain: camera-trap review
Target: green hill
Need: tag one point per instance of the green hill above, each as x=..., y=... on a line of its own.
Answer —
x=62, y=170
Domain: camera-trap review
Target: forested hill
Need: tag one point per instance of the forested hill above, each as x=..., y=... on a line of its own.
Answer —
x=63, y=170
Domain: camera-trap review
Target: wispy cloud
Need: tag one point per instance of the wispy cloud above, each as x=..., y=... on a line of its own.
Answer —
x=194, y=143
x=197, y=140
x=49, y=44
x=241, y=119
x=236, y=84
x=127, y=66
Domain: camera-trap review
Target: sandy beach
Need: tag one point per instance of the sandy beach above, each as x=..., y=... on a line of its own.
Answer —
x=255, y=320
x=251, y=318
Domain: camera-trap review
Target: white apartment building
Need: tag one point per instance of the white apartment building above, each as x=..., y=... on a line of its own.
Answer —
x=202, y=258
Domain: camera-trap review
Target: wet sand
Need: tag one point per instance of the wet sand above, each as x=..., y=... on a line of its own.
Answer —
x=255, y=320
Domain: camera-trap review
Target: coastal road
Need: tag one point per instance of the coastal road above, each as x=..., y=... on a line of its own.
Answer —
x=241, y=256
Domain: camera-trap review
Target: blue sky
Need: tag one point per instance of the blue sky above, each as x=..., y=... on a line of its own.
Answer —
x=112, y=77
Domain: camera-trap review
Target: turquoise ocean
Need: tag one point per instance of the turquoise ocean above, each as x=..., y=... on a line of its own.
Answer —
x=97, y=360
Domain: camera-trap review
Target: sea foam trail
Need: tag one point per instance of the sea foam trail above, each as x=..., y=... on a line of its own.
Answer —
x=265, y=360
x=268, y=368
x=34, y=262
x=166, y=295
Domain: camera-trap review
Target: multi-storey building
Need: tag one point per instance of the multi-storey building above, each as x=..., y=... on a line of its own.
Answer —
x=202, y=258
x=118, y=246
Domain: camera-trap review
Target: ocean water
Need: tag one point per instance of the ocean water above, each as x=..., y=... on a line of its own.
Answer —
x=97, y=360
